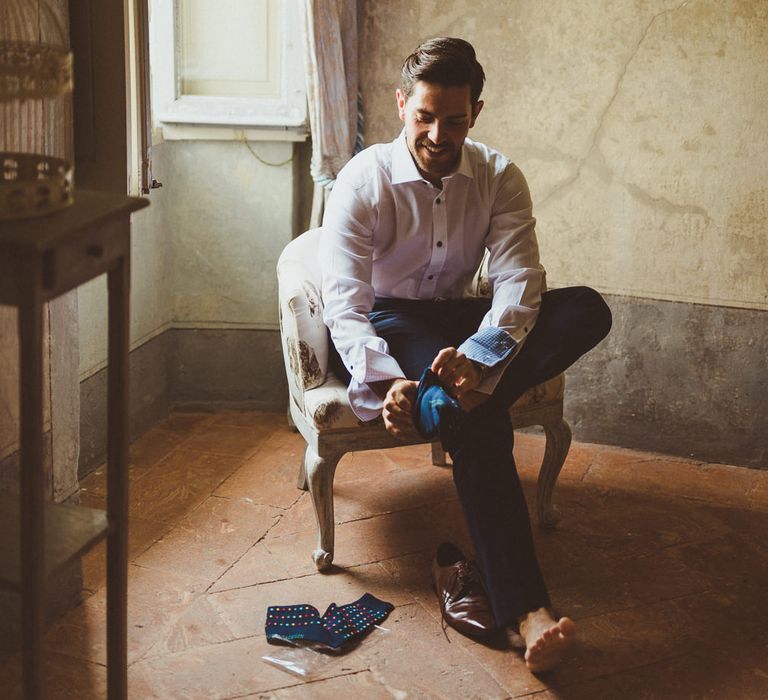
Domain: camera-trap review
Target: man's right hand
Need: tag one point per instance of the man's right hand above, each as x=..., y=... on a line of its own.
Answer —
x=398, y=408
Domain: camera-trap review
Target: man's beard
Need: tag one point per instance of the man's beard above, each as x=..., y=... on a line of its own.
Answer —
x=443, y=164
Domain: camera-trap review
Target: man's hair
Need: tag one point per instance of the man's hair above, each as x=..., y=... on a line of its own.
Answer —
x=444, y=61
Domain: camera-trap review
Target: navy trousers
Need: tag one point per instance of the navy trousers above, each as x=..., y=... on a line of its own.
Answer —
x=571, y=322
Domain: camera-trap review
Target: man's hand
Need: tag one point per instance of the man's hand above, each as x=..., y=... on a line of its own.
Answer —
x=456, y=371
x=461, y=376
x=398, y=408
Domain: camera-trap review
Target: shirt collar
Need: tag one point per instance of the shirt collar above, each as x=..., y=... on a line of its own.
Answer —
x=404, y=169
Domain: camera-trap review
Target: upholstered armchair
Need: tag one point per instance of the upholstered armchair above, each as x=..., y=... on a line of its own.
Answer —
x=321, y=412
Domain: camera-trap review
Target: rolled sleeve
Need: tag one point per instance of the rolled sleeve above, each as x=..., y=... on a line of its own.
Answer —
x=514, y=269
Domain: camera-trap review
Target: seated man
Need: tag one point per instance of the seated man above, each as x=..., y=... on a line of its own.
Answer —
x=405, y=229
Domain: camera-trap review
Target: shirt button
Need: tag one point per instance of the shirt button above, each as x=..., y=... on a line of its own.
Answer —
x=439, y=244
x=431, y=277
x=438, y=200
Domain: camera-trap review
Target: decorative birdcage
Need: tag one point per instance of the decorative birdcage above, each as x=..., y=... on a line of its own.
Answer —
x=35, y=108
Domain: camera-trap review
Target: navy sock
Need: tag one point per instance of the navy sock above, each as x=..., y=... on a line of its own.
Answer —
x=348, y=622
x=339, y=625
x=289, y=622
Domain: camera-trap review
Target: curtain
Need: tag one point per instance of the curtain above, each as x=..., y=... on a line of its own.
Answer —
x=330, y=51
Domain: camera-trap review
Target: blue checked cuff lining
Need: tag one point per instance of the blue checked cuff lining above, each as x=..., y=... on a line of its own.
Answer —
x=489, y=346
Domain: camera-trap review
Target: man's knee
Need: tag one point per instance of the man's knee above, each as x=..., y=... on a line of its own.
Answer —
x=577, y=312
x=597, y=313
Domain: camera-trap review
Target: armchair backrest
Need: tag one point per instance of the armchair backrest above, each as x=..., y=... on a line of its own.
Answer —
x=303, y=334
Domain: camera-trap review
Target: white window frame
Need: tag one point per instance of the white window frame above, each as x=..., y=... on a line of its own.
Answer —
x=284, y=118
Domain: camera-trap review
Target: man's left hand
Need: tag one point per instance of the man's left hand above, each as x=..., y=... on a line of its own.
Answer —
x=456, y=371
x=461, y=376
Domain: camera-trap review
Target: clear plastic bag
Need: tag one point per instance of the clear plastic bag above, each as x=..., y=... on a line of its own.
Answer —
x=309, y=660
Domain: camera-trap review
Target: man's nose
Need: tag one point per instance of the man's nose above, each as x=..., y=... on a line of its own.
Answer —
x=436, y=132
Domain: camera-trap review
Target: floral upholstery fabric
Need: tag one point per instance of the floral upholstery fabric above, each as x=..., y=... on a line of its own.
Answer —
x=327, y=406
x=303, y=334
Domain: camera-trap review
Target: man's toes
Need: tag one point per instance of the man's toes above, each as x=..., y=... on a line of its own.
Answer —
x=550, y=635
x=567, y=627
x=542, y=661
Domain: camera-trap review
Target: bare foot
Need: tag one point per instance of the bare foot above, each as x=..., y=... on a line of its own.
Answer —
x=545, y=639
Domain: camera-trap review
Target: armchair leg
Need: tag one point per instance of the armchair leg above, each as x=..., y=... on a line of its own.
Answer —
x=556, y=449
x=290, y=421
x=301, y=480
x=438, y=455
x=319, y=474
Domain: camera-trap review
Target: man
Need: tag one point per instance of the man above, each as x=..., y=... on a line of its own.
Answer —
x=405, y=230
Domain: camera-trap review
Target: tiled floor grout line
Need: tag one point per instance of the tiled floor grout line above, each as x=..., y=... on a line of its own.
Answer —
x=275, y=521
x=651, y=604
x=750, y=493
x=339, y=523
x=583, y=477
x=601, y=676
x=313, y=573
x=300, y=681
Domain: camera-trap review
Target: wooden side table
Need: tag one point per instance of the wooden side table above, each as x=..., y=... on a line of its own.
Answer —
x=41, y=259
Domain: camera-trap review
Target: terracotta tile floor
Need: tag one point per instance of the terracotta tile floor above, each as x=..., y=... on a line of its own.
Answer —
x=663, y=562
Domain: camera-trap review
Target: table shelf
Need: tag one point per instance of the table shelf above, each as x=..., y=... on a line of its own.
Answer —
x=70, y=531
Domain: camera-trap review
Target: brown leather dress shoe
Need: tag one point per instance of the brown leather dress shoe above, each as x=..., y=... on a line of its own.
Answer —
x=459, y=589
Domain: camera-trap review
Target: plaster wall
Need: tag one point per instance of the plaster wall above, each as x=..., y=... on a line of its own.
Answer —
x=151, y=260
x=642, y=130
x=9, y=381
x=230, y=215
x=641, y=127
x=204, y=252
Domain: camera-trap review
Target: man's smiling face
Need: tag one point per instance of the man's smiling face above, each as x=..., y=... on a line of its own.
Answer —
x=437, y=120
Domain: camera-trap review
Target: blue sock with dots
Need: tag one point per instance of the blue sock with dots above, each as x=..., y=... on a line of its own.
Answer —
x=349, y=622
x=338, y=626
x=291, y=622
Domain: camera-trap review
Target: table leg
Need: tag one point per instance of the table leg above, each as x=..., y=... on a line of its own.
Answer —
x=32, y=485
x=118, y=284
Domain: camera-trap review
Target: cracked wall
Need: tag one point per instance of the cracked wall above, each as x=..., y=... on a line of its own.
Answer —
x=640, y=126
x=642, y=129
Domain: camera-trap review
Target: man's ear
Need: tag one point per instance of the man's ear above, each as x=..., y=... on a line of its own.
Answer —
x=475, y=111
x=401, y=100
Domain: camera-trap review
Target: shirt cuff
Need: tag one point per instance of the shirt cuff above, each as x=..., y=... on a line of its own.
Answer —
x=365, y=403
x=371, y=363
x=489, y=346
x=373, y=366
x=377, y=366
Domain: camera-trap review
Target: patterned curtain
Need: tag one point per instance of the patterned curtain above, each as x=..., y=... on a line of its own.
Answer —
x=330, y=50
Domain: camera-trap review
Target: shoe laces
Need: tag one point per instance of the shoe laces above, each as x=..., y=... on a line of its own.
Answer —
x=468, y=577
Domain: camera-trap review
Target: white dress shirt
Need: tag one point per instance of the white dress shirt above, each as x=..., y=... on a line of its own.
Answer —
x=388, y=232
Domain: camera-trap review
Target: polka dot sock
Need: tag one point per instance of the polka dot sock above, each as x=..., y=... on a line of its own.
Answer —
x=338, y=626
